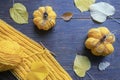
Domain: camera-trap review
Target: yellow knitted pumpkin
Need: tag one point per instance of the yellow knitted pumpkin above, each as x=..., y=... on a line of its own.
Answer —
x=44, y=18
x=10, y=54
x=100, y=41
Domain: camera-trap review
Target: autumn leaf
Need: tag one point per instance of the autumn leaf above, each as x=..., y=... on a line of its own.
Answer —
x=67, y=16
x=83, y=5
x=81, y=65
x=100, y=11
x=38, y=71
x=19, y=13
x=103, y=65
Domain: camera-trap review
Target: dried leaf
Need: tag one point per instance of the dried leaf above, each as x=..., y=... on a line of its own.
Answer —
x=81, y=65
x=103, y=65
x=67, y=16
x=100, y=11
x=19, y=13
x=83, y=5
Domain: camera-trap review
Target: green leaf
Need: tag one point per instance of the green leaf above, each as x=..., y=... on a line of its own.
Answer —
x=19, y=13
x=81, y=65
x=83, y=5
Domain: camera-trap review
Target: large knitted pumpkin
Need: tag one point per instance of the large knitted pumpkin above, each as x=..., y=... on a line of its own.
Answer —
x=10, y=54
x=44, y=18
x=100, y=41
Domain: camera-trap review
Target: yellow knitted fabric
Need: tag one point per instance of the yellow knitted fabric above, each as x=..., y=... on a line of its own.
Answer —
x=10, y=54
x=32, y=53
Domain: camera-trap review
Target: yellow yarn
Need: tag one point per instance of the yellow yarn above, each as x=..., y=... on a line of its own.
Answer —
x=10, y=54
x=36, y=60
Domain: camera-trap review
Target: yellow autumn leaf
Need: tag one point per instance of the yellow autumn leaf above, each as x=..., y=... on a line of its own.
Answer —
x=79, y=72
x=83, y=5
x=38, y=71
x=81, y=65
x=19, y=13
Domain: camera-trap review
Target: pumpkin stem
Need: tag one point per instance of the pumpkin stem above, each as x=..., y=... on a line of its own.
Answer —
x=103, y=38
x=45, y=15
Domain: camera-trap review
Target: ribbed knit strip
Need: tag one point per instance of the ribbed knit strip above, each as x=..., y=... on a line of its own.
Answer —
x=32, y=52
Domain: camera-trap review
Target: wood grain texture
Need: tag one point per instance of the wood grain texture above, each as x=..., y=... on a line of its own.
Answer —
x=60, y=6
x=66, y=39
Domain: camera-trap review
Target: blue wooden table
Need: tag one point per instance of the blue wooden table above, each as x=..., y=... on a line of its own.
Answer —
x=67, y=39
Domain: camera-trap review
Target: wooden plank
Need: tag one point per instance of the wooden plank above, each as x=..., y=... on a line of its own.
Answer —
x=4, y=8
x=7, y=75
x=67, y=38
x=60, y=6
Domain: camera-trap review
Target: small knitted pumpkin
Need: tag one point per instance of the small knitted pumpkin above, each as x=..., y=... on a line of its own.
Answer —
x=44, y=18
x=10, y=54
x=100, y=41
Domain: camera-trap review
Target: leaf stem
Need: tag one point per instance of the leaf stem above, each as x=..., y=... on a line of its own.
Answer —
x=13, y=1
x=90, y=76
x=114, y=19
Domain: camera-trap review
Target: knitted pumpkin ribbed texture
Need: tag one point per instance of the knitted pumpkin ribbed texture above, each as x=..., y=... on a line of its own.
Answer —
x=32, y=58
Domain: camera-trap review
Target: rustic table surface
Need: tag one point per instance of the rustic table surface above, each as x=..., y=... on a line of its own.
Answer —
x=66, y=39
